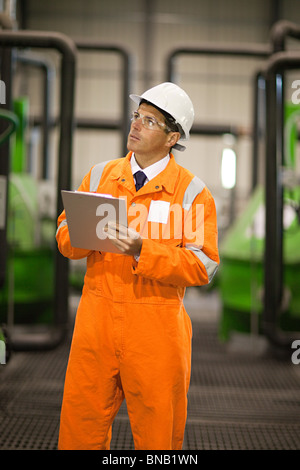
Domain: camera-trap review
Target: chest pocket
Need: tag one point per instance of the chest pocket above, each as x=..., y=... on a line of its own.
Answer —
x=158, y=219
x=169, y=228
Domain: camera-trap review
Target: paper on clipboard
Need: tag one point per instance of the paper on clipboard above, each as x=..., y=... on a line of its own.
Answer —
x=87, y=214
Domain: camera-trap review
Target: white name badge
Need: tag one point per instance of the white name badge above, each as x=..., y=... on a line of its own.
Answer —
x=159, y=212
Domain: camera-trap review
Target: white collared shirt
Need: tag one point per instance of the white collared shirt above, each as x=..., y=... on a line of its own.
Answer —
x=152, y=170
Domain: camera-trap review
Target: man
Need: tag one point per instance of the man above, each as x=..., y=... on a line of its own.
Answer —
x=132, y=335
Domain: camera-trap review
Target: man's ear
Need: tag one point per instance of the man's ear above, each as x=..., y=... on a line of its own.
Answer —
x=173, y=138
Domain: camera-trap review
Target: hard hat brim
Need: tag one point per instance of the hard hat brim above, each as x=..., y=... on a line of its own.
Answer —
x=136, y=98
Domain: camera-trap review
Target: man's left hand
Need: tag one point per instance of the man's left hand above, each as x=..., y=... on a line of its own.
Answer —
x=126, y=239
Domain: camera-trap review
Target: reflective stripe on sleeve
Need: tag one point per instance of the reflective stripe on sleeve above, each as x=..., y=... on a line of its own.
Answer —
x=195, y=187
x=96, y=174
x=62, y=224
x=210, y=265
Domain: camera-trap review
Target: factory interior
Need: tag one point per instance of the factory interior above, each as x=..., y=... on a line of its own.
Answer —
x=67, y=69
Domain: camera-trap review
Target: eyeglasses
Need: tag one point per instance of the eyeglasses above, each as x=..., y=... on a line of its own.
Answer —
x=149, y=122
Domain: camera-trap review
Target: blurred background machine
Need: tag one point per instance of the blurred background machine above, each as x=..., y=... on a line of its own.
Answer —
x=259, y=278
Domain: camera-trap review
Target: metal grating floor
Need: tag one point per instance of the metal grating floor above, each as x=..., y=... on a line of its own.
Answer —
x=238, y=399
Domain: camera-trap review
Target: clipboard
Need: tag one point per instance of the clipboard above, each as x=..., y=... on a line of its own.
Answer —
x=87, y=214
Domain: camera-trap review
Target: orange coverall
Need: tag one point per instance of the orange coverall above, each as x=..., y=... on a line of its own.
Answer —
x=132, y=335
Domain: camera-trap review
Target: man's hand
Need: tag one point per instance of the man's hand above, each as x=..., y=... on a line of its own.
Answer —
x=126, y=239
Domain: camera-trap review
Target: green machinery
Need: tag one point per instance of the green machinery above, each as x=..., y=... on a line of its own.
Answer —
x=13, y=124
x=27, y=295
x=34, y=276
x=242, y=255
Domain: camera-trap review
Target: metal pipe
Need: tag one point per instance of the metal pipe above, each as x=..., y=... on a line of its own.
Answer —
x=5, y=21
x=86, y=123
x=214, y=49
x=124, y=123
x=219, y=129
x=66, y=47
x=242, y=50
x=280, y=31
x=258, y=115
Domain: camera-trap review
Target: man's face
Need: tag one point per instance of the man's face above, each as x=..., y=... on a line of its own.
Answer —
x=144, y=141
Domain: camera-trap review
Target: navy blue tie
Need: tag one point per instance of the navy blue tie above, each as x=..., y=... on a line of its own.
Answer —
x=139, y=179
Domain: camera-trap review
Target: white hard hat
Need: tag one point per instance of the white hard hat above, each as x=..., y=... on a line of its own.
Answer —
x=173, y=100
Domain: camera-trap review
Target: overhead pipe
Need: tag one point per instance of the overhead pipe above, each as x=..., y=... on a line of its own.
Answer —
x=124, y=123
x=219, y=129
x=223, y=49
x=280, y=31
x=220, y=49
x=216, y=49
x=66, y=47
x=6, y=21
x=91, y=123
